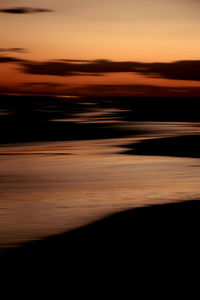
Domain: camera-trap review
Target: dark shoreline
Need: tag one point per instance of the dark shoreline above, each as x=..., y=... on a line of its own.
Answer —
x=178, y=146
x=127, y=234
x=140, y=251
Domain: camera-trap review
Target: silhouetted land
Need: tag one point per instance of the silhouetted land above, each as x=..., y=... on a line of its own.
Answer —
x=180, y=146
x=140, y=241
x=160, y=109
x=29, y=118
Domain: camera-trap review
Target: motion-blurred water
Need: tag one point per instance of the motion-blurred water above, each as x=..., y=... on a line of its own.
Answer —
x=50, y=187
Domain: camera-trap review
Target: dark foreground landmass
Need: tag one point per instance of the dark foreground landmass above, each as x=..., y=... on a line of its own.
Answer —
x=134, y=244
x=180, y=146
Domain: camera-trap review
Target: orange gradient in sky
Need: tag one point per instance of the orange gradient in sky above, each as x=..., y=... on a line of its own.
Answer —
x=128, y=30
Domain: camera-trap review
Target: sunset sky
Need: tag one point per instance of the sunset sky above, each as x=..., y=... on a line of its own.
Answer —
x=110, y=47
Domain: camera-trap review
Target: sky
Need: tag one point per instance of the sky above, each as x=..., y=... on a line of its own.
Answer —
x=107, y=47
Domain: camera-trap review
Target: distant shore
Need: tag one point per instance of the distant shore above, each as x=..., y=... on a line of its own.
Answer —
x=179, y=146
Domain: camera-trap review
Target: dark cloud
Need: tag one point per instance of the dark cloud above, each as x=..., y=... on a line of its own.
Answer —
x=8, y=59
x=74, y=60
x=17, y=50
x=72, y=68
x=180, y=70
x=24, y=10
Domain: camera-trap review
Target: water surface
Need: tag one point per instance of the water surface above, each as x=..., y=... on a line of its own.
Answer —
x=51, y=187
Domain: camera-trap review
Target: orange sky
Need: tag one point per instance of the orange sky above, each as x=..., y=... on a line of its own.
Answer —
x=116, y=30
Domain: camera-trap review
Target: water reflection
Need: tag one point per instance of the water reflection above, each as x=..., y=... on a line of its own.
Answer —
x=53, y=187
